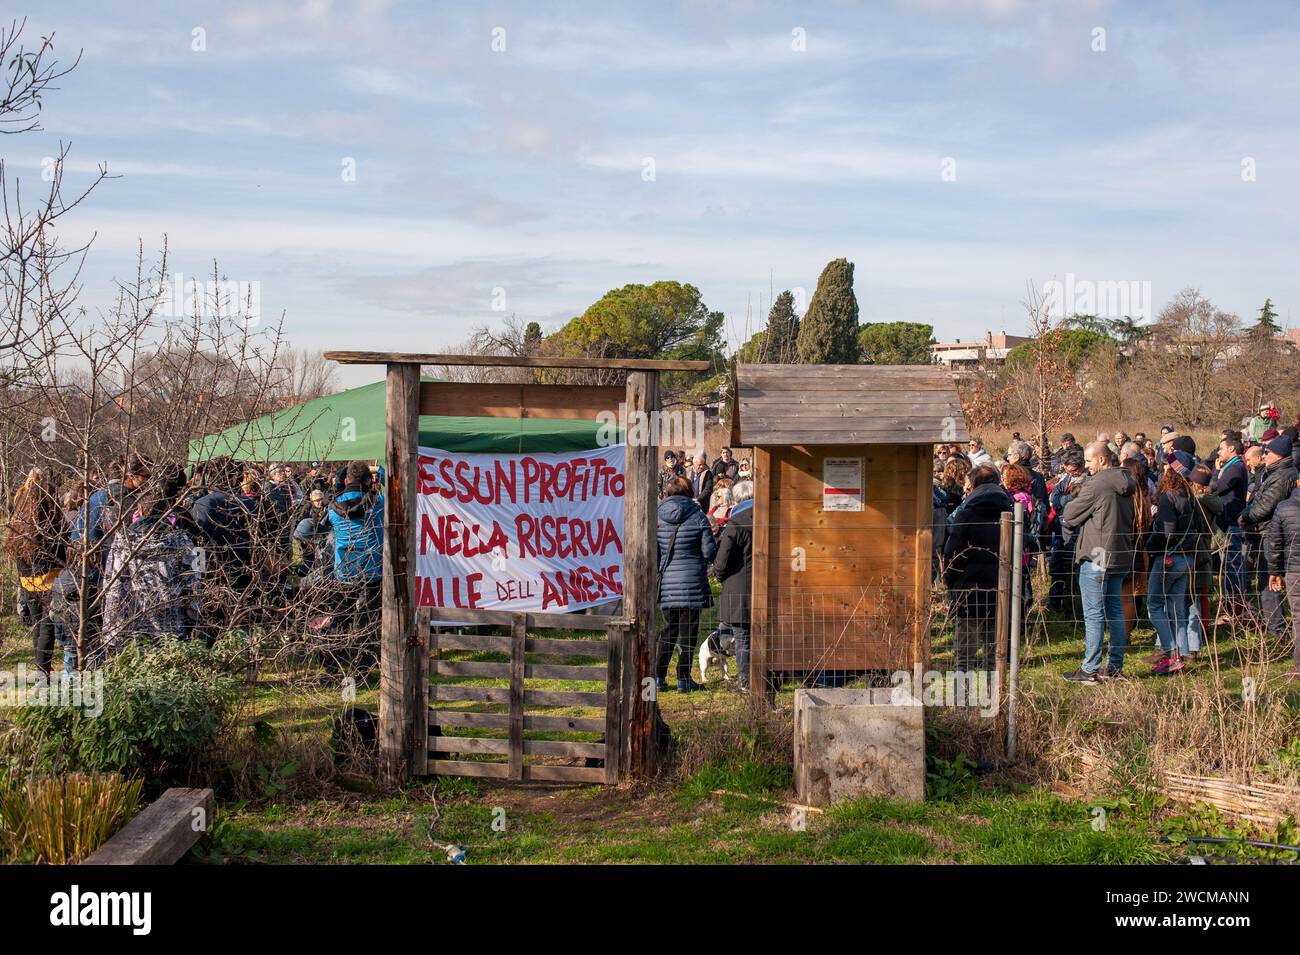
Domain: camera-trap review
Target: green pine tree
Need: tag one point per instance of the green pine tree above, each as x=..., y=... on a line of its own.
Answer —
x=1267, y=326
x=828, y=334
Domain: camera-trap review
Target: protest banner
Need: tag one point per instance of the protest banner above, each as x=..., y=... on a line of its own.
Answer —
x=541, y=532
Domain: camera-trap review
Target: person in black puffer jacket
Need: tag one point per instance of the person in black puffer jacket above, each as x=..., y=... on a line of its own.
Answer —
x=1282, y=550
x=734, y=566
x=1275, y=486
x=971, y=567
x=686, y=546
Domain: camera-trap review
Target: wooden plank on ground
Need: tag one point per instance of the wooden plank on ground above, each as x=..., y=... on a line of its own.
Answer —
x=161, y=834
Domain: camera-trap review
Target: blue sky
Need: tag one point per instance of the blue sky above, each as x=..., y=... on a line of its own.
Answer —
x=522, y=169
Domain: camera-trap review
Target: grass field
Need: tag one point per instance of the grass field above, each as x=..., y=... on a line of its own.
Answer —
x=290, y=806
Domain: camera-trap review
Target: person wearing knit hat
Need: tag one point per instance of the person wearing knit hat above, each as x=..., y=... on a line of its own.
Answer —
x=1282, y=554
x=1268, y=435
x=1280, y=445
x=1275, y=486
x=1181, y=461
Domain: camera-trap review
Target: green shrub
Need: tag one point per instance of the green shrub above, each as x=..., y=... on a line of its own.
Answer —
x=164, y=706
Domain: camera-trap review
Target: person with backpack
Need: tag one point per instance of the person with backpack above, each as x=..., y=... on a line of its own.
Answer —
x=1172, y=543
x=37, y=542
x=686, y=547
x=152, y=574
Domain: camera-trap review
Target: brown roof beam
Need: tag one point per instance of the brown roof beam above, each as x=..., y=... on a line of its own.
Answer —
x=510, y=361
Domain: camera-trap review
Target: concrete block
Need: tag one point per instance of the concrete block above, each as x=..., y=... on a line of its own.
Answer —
x=853, y=743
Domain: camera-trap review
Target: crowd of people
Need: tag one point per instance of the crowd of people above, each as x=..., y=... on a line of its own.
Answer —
x=151, y=549
x=706, y=524
x=1129, y=526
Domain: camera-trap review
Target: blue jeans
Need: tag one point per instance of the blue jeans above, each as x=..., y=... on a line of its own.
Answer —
x=1103, y=610
x=1167, y=601
x=1234, y=565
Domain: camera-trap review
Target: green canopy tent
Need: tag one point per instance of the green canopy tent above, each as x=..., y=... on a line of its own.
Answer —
x=350, y=426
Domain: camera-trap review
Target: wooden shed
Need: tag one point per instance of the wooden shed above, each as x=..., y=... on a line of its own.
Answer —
x=843, y=505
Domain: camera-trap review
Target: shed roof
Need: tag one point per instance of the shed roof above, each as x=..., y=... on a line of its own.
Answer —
x=848, y=404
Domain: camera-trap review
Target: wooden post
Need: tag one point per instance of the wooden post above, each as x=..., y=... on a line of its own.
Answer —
x=403, y=666
x=640, y=580
x=1002, y=620
x=761, y=623
x=518, y=639
x=923, y=536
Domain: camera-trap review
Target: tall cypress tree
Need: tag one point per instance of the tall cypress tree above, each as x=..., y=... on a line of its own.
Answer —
x=828, y=334
x=781, y=341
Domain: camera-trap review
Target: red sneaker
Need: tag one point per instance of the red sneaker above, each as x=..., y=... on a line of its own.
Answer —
x=1168, y=666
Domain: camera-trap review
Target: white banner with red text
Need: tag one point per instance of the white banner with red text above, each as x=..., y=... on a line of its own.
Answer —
x=540, y=532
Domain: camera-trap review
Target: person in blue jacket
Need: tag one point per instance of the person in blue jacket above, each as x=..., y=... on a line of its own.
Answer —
x=686, y=548
x=357, y=518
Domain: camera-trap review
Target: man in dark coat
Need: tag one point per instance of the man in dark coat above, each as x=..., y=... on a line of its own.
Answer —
x=970, y=553
x=1282, y=550
x=734, y=567
x=1275, y=486
x=1231, y=482
x=686, y=546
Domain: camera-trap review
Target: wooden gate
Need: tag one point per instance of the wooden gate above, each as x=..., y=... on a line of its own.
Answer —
x=508, y=709
x=404, y=647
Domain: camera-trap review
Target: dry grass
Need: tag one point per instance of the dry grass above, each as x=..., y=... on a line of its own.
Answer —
x=62, y=819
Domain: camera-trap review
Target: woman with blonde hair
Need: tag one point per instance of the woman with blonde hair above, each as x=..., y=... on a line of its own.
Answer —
x=37, y=542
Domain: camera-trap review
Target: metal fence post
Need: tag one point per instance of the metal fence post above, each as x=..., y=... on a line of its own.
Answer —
x=1017, y=596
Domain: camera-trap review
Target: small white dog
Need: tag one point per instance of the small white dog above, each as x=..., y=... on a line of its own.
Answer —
x=716, y=650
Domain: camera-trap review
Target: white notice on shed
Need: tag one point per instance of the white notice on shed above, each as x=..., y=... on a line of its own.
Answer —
x=842, y=484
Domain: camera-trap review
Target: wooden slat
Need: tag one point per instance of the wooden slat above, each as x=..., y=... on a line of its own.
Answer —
x=555, y=402
x=541, y=772
x=934, y=433
x=553, y=646
x=556, y=671
x=518, y=634
x=465, y=767
x=465, y=668
x=468, y=744
x=504, y=618
x=162, y=833
x=548, y=724
x=567, y=648
x=532, y=671
x=478, y=643
x=562, y=698
x=490, y=746
x=449, y=693
x=501, y=361
x=557, y=747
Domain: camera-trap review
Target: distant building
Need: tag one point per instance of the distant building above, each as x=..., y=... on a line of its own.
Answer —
x=992, y=350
